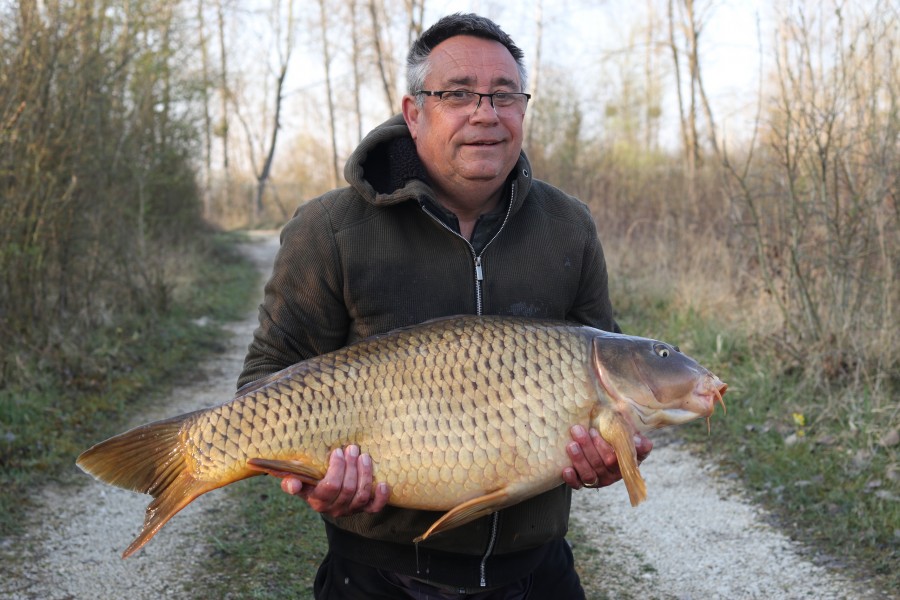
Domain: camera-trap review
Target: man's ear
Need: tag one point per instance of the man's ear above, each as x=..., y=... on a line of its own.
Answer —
x=412, y=112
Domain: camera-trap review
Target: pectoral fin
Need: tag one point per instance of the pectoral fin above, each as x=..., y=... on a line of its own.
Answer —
x=468, y=512
x=620, y=436
x=283, y=468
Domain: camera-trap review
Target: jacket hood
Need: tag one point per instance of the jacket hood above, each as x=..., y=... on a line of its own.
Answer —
x=385, y=168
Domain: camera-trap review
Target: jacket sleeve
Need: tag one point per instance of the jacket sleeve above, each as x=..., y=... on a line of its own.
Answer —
x=303, y=312
x=593, y=305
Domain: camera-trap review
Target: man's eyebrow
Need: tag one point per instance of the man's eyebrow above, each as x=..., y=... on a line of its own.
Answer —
x=466, y=81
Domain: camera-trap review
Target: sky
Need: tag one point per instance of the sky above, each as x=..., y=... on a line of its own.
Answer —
x=583, y=38
x=577, y=33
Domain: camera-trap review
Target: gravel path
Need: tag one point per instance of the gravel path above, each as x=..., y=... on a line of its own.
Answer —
x=72, y=549
x=696, y=537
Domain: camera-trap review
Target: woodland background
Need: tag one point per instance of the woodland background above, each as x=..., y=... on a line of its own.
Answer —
x=132, y=131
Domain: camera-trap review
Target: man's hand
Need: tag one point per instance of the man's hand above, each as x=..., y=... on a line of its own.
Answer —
x=594, y=462
x=346, y=487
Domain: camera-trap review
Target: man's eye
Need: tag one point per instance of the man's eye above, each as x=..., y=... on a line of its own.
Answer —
x=456, y=95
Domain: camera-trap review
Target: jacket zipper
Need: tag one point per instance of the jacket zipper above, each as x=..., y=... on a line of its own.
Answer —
x=495, y=524
x=479, y=308
x=476, y=258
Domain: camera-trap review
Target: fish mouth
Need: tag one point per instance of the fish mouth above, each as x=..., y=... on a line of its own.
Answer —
x=701, y=403
x=712, y=389
x=703, y=398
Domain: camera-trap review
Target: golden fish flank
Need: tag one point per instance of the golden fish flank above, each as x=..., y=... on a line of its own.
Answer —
x=486, y=402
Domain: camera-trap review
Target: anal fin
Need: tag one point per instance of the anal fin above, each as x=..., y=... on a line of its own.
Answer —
x=284, y=468
x=468, y=512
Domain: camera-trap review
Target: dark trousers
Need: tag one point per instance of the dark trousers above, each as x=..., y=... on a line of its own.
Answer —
x=342, y=579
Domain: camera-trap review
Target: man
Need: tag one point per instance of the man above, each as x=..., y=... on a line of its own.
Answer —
x=442, y=217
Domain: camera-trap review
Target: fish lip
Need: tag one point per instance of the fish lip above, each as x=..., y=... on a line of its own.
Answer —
x=678, y=416
x=711, y=389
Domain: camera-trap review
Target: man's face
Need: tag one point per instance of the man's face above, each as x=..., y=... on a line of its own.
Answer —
x=472, y=146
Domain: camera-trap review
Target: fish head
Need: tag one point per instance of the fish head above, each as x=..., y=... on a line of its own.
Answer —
x=654, y=382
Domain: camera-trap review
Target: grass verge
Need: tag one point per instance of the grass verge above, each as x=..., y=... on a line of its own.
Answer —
x=270, y=549
x=809, y=454
x=44, y=426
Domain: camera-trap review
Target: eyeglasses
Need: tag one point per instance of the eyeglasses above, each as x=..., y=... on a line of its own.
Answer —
x=459, y=101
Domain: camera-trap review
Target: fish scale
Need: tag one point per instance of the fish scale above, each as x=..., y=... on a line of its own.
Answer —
x=413, y=404
x=466, y=415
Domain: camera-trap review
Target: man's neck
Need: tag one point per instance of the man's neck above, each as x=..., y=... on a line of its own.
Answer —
x=469, y=209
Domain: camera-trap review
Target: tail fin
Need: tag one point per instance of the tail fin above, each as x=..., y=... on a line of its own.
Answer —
x=149, y=459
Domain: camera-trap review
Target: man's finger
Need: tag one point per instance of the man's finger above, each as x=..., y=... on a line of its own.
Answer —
x=292, y=485
x=327, y=491
x=364, y=483
x=605, y=450
x=572, y=479
x=382, y=495
x=587, y=445
x=643, y=445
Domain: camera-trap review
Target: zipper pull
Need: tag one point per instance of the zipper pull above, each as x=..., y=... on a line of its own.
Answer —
x=479, y=273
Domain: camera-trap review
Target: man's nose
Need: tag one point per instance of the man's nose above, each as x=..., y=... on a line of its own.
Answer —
x=489, y=112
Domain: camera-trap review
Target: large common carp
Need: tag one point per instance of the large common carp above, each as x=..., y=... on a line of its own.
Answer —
x=465, y=414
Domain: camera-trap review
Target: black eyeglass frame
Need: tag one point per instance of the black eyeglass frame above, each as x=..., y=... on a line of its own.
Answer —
x=439, y=94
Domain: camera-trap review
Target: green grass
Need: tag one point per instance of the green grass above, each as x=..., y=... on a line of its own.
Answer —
x=44, y=426
x=270, y=549
x=808, y=452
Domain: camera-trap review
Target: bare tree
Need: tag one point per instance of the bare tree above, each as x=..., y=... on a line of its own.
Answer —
x=415, y=12
x=329, y=93
x=819, y=197
x=356, y=57
x=690, y=20
x=207, y=117
x=536, y=63
x=693, y=25
x=382, y=56
x=224, y=98
x=652, y=86
x=95, y=169
x=284, y=58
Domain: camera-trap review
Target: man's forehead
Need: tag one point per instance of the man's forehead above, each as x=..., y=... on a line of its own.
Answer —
x=469, y=60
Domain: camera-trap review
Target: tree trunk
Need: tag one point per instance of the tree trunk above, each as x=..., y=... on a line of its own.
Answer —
x=687, y=139
x=262, y=178
x=382, y=60
x=207, y=119
x=357, y=60
x=326, y=54
x=536, y=65
x=224, y=96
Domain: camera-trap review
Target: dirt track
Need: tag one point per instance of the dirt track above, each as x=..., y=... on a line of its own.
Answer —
x=697, y=536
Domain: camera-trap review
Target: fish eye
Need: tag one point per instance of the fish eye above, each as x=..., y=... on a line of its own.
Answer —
x=661, y=350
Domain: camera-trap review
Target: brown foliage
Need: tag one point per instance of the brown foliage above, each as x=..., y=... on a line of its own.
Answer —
x=94, y=172
x=817, y=201
x=795, y=239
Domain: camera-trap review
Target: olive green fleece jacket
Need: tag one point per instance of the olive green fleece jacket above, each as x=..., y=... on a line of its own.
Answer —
x=381, y=254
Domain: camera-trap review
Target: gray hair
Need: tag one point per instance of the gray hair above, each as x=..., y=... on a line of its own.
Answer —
x=418, y=66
